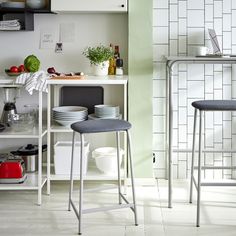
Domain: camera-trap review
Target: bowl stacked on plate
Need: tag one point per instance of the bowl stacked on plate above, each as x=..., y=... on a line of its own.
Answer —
x=67, y=115
x=105, y=112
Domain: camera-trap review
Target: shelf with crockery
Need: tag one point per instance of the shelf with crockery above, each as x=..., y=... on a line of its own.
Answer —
x=115, y=93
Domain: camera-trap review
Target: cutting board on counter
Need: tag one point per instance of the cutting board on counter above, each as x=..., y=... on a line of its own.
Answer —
x=74, y=77
x=86, y=96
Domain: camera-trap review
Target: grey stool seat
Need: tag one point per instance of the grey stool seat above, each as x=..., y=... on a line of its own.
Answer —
x=101, y=126
x=215, y=105
x=98, y=126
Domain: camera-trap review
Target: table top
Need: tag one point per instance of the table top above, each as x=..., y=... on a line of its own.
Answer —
x=192, y=59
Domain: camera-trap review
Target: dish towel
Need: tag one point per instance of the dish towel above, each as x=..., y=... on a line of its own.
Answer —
x=33, y=81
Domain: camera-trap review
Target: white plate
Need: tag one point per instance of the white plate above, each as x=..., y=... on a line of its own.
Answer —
x=69, y=109
x=13, y=4
x=94, y=117
x=67, y=123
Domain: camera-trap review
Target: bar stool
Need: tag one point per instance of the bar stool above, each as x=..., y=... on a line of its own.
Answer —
x=101, y=126
x=202, y=106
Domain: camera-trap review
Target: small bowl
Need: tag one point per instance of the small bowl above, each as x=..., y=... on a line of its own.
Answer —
x=8, y=72
x=21, y=122
x=36, y=4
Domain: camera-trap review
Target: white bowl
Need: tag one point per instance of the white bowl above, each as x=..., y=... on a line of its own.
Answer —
x=106, y=110
x=106, y=159
x=67, y=123
x=69, y=110
x=36, y=4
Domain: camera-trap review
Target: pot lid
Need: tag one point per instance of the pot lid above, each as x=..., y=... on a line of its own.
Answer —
x=28, y=149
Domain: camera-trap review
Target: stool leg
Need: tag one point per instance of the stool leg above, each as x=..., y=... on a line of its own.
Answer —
x=132, y=177
x=71, y=169
x=81, y=183
x=199, y=171
x=118, y=164
x=193, y=152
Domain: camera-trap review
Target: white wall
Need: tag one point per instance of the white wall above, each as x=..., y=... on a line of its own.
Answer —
x=91, y=30
x=178, y=27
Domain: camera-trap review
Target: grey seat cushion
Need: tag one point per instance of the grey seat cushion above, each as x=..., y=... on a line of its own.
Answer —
x=99, y=126
x=215, y=105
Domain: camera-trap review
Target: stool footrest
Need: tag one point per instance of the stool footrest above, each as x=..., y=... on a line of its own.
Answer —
x=226, y=183
x=216, y=167
x=127, y=202
x=108, y=208
x=98, y=209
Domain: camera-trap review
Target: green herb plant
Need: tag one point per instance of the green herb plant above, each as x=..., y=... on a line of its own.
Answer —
x=98, y=54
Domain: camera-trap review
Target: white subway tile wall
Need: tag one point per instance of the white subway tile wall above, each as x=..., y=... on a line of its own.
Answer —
x=179, y=26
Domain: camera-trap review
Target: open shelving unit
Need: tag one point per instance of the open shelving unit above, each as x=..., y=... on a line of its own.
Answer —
x=34, y=181
x=54, y=129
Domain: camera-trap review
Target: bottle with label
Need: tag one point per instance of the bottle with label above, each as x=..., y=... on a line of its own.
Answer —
x=112, y=64
x=117, y=52
x=119, y=66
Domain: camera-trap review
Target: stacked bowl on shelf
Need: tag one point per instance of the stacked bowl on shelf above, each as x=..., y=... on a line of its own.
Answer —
x=105, y=112
x=67, y=115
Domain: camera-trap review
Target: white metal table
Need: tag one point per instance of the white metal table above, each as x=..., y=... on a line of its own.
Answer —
x=170, y=62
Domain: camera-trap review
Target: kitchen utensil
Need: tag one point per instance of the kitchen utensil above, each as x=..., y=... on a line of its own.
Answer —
x=29, y=154
x=8, y=72
x=106, y=159
x=106, y=111
x=10, y=95
x=86, y=96
x=12, y=171
x=21, y=122
x=13, y=4
x=36, y=4
x=32, y=109
x=94, y=117
x=67, y=115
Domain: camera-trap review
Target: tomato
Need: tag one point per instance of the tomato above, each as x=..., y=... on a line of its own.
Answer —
x=14, y=69
x=21, y=68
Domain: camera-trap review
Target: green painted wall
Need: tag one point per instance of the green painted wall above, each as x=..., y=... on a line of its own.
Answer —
x=140, y=84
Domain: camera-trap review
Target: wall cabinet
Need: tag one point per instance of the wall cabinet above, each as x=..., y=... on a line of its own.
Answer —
x=25, y=15
x=89, y=6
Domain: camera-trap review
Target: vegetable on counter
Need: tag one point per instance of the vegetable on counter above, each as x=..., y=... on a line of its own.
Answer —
x=32, y=63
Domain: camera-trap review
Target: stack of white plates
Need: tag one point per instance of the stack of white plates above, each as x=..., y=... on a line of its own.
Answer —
x=105, y=112
x=67, y=115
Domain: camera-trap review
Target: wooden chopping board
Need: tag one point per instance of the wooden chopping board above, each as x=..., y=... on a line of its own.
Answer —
x=74, y=77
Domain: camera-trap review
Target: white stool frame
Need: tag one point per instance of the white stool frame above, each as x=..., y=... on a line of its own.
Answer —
x=198, y=183
x=82, y=211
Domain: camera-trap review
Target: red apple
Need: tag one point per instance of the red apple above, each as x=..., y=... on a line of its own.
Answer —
x=14, y=69
x=21, y=68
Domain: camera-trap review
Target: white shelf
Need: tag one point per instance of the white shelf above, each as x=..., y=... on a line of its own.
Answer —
x=31, y=183
x=92, y=80
x=56, y=128
x=34, y=133
x=92, y=174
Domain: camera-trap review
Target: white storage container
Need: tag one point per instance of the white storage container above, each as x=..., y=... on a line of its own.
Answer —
x=106, y=159
x=62, y=158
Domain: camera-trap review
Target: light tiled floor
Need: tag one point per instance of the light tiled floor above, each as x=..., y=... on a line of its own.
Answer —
x=20, y=216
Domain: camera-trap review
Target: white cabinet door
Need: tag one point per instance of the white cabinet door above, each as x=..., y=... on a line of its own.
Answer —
x=89, y=5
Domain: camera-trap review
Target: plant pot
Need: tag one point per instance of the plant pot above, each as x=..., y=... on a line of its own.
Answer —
x=100, y=69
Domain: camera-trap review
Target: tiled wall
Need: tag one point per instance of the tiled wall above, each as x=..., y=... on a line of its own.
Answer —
x=179, y=26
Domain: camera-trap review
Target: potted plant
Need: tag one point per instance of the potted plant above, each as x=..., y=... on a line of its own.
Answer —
x=99, y=58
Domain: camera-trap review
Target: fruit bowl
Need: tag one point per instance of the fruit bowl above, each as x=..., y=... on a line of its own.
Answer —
x=8, y=72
